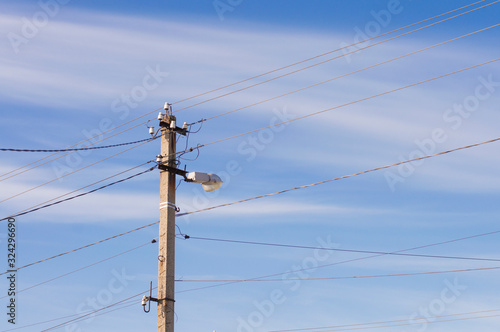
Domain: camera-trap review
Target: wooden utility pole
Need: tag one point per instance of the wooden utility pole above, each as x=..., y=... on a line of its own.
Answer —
x=166, y=256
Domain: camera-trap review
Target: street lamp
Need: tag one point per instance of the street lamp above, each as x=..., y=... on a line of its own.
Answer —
x=208, y=181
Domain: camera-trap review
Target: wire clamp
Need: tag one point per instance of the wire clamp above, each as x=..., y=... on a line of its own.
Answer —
x=169, y=205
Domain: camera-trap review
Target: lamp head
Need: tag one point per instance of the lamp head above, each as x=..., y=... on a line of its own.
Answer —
x=209, y=182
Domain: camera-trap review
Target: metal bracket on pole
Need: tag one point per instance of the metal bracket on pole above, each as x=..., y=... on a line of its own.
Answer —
x=147, y=299
x=167, y=123
x=174, y=170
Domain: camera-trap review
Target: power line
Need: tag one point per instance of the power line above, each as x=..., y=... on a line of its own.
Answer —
x=416, y=320
x=334, y=58
x=85, y=246
x=359, y=326
x=344, y=277
x=80, y=149
x=244, y=280
x=291, y=120
x=80, y=195
x=343, y=105
x=81, y=317
x=326, y=54
x=56, y=158
x=62, y=176
x=336, y=107
x=340, y=250
x=70, y=316
x=81, y=268
x=40, y=323
x=348, y=74
x=335, y=50
x=287, y=190
x=263, y=75
x=76, y=190
x=340, y=177
x=414, y=323
x=351, y=260
x=322, y=266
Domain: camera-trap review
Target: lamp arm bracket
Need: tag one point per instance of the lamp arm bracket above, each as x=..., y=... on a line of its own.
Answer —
x=174, y=170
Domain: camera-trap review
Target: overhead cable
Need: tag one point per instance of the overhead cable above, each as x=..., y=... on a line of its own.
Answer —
x=83, y=247
x=86, y=315
x=416, y=320
x=334, y=58
x=24, y=169
x=81, y=188
x=338, y=49
x=72, y=172
x=340, y=177
x=80, y=149
x=343, y=105
x=79, y=195
x=463, y=7
x=335, y=50
x=348, y=74
x=81, y=268
x=287, y=190
x=342, y=277
x=348, y=260
x=333, y=108
x=291, y=189
x=341, y=250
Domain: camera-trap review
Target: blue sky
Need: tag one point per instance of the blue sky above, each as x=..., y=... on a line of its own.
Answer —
x=71, y=70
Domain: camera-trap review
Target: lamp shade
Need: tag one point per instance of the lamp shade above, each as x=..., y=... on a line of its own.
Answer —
x=209, y=182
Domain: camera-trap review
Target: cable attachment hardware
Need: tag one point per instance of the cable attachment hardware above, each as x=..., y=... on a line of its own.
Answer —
x=169, y=122
x=169, y=205
x=146, y=300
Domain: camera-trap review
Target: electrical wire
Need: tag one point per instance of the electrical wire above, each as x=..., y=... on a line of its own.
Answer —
x=363, y=41
x=288, y=66
x=287, y=190
x=348, y=74
x=347, y=104
x=79, y=195
x=333, y=51
x=76, y=190
x=81, y=317
x=348, y=261
x=338, y=249
x=284, y=191
x=126, y=304
x=62, y=176
x=40, y=323
x=416, y=320
x=244, y=280
x=83, y=247
x=56, y=158
x=334, y=58
x=340, y=177
x=79, y=149
x=463, y=7
x=414, y=323
x=80, y=269
x=343, y=277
